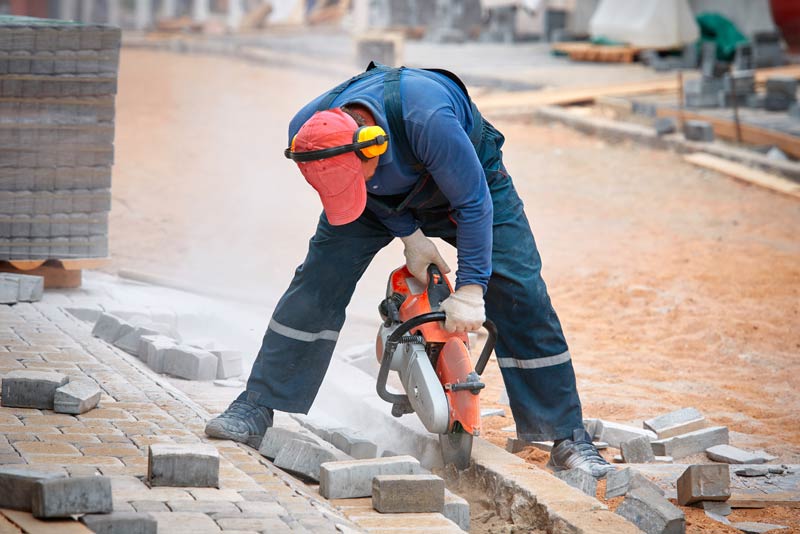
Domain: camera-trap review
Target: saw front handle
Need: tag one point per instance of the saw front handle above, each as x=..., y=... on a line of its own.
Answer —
x=396, y=338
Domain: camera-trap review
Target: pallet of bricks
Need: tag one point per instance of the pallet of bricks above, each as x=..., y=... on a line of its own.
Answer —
x=58, y=80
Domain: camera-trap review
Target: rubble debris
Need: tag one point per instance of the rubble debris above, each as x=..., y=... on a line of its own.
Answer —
x=121, y=523
x=776, y=470
x=229, y=363
x=63, y=497
x=691, y=443
x=749, y=527
x=456, y=509
x=31, y=389
x=652, y=512
x=30, y=288
x=17, y=485
x=276, y=438
x=353, y=445
x=733, y=455
x=621, y=481
x=752, y=472
x=352, y=479
x=695, y=130
x=76, y=397
x=706, y=482
x=192, y=465
x=615, y=433
x=637, y=451
x=190, y=363
x=304, y=458
x=580, y=479
x=393, y=494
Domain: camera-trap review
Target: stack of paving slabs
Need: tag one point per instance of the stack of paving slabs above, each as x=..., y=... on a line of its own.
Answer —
x=57, y=85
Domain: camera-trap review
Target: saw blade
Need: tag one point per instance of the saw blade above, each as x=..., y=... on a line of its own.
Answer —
x=456, y=448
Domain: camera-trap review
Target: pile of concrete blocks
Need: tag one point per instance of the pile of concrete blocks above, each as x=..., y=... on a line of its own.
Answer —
x=58, y=82
x=149, y=342
x=46, y=390
x=781, y=93
x=20, y=288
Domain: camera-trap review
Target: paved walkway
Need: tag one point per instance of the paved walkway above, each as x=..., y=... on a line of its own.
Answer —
x=138, y=408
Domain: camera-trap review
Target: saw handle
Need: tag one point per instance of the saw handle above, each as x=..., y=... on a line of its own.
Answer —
x=491, y=340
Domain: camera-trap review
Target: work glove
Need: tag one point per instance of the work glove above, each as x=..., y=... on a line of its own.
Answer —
x=421, y=252
x=464, y=309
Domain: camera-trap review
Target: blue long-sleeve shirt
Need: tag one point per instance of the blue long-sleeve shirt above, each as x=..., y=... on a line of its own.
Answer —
x=438, y=118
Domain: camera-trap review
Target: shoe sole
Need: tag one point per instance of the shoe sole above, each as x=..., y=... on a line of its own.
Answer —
x=214, y=431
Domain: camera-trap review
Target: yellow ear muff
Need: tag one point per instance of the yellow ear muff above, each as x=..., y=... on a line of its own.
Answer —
x=291, y=147
x=370, y=133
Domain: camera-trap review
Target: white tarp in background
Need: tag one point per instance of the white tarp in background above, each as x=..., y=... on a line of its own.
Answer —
x=749, y=16
x=645, y=23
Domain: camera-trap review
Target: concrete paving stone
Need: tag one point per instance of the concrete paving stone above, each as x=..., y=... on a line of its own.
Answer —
x=408, y=493
x=121, y=523
x=276, y=438
x=621, y=481
x=183, y=465
x=637, y=451
x=58, y=459
x=695, y=130
x=615, y=433
x=17, y=485
x=707, y=482
x=11, y=458
x=152, y=350
x=31, y=389
x=259, y=524
x=456, y=509
x=124, y=450
x=63, y=497
x=750, y=527
x=717, y=507
x=194, y=522
x=45, y=447
x=304, y=458
x=733, y=455
x=580, y=479
x=353, y=445
x=691, y=443
x=351, y=479
x=652, y=512
x=677, y=422
x=665, y=125
x=214, y=494
x=29, y=288
x=27, y=523
x=9, y=290
x=229, y=363
x=107, y=327
x=190, y=363
x=150, y=506
x=130, y=339
x=265, y=508
x=77, y=397
x=205, y=507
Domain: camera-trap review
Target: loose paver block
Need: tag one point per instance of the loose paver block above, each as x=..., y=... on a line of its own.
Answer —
x=152, y=350
x=129, y=340
x=707, y=482
x=691, y=443
x=620, y=482
x=652, y=512
x=63, y=497
x=580, y=479
x=351, y=479
x=720, y=508
x=615, y=433
x=394, y=494
x=733, y=455
x=749, y=527
x=276, y=438
x=456, y=509
x=183, y=465
x=352, y=445
x=752, y=472
x=229, y=363
x=637, y=451
x=107, y=327
x=77, y=397
x=31, y=389
x=121, y=523
x=695, y=130
x=515, y=445
x=9, y=290
x=29, y=288
x=16, y=486
x=190, y=363
x=675, y=423
x=304, y=458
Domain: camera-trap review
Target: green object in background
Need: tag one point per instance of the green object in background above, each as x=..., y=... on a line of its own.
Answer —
x=720, y=30
x=605, y=41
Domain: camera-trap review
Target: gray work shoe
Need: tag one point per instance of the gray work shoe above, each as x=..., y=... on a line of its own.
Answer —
x=243, y=421
x=579, y=452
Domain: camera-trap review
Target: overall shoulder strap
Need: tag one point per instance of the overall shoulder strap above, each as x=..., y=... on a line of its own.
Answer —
x=372, y=69
x=393, y=106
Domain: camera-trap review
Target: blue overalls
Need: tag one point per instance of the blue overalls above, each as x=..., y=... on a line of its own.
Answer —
x=531, y=350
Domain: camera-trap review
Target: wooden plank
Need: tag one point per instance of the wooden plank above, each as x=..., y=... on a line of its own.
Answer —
x=745, y=174
x=31, y=525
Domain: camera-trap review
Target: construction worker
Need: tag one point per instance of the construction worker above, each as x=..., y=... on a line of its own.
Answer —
x=405, y=153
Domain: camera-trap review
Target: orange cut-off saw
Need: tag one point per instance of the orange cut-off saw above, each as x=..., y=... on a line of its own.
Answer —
x=433, y=365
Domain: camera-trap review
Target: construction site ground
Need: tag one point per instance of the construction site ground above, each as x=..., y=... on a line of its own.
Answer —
x=675, y=286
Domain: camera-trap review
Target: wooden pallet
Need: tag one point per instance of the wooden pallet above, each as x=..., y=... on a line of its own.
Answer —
x=598, y=53
x=56, y=273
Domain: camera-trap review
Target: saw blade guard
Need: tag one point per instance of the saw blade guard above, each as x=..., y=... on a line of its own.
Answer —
x=456, y=374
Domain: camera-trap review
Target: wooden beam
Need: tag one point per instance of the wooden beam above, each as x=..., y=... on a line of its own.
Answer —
x=745, y=174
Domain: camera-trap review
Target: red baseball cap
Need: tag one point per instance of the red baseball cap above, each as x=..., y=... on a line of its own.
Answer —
x=338, y=180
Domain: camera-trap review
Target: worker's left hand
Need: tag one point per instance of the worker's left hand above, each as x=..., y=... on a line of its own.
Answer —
x=420, y=252
x=464, y=309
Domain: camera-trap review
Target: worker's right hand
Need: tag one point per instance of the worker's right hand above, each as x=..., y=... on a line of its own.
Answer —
x=421, y=252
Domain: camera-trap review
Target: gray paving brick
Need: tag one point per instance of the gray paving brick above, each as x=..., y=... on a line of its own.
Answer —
x=353, y=445
x=733, y=455
x=31, y=389
x=579, y=479
x=637, y=451
x=17, y=484
x=751, y=527
x=621, y=481
x=408, y=493
x=695, y=130
x=691, y=443
x=121, y=523
x=708, y=482
x=64, y=497
x=616, y=433
x=652, y=512
x=229, y=363
x=130, y=339
x=183, y=465
x=304, y=458
x=351, y=479
x=30, y=288
x=276, y=438
x=77, y=397
x=107, y=327
x=9, y=290
x=456, y=509
x=675, y=423
x=190, y=363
